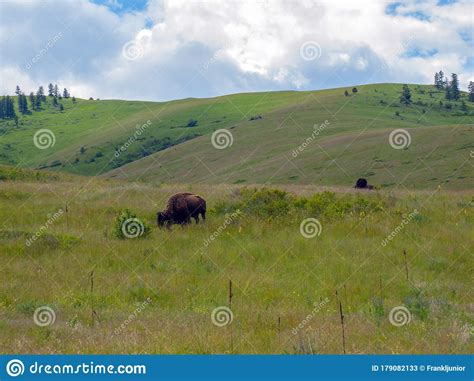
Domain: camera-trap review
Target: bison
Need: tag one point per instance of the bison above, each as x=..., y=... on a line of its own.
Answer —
x=362, y=184
x=181, y=208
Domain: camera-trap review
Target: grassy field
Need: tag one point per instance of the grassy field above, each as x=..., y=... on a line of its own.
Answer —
x=157, y=294
x=354, y=142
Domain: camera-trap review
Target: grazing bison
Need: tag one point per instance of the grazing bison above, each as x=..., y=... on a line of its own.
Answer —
x=362, y=184
x=181, y=208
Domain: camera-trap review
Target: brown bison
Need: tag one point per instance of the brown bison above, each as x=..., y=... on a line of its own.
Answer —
x=362, y=184
x=181, y=208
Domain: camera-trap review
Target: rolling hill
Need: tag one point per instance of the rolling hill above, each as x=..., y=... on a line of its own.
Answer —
x=318, y=137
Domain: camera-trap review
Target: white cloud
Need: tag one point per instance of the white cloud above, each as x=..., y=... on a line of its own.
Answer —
x=258, y=45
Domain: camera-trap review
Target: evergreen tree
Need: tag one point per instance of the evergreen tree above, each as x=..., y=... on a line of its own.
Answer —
x=61, y=107
x=405, y=98
x=440, y=81
x=22, y=104
x=453, y=86
x=65, y=93
x=41, y=94
x=436, y=80
x=346, y=93
x=56, y=91
x=32, y=101
x=17, y=90
x=9, y=108
x=50, y=90
x=471, y=91
x=37, y=102
x=55, y=101
x=2, y=107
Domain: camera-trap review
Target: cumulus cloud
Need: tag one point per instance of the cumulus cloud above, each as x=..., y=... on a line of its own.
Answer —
x=176, y=49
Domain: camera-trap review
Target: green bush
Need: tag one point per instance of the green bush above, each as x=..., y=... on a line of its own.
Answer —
x=272, y=203
x=266, y=203
x=128, y=225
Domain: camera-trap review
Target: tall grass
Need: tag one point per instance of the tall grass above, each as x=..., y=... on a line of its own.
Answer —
x=277, y=274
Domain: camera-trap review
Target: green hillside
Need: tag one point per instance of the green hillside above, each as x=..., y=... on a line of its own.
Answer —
x=353, y=143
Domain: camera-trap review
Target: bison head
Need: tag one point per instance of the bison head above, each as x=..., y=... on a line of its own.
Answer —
x=162, y=219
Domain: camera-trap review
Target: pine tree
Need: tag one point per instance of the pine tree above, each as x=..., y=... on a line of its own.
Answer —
x=20, y=101
x=65, y=93
x=2, y=107
x=56, y=91
x=38, y=102
x=50, y=90
x=442, y=81
x=41, y=94
x=24, y=104
x=17, y=90
x=436, y=80
x=32, y=101
x=346, y=93
x=9, y=108
x=55, y=101
x=453, y=86
x=405, y=98
x=471, y=91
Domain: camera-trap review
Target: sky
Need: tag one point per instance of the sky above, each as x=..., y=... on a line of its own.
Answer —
x=161, y=50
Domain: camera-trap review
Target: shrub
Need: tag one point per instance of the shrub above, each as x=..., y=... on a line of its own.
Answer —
x=128, y=225
x=192, y=123
x=266, y=202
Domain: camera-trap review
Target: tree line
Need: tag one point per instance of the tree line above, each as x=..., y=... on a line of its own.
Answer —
x=7, y=109
x=451, y=87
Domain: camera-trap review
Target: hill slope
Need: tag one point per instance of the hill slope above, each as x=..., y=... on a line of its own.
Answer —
x=159, y=142
x=295, y=144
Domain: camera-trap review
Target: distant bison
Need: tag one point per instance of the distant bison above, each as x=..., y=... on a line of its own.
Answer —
x=362, y=184
x=181, y=208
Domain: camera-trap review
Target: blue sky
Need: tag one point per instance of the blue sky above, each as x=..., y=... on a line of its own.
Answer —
x=161, y=50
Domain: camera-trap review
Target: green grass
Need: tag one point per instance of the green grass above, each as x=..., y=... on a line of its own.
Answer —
x=355, y=143
x=277, y=274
